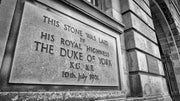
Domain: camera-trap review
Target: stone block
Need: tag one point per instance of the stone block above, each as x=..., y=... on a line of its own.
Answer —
x=161, y=68
x=117, y=15
x=155, y=49
x=122, y=40
x=152, y=64
x=131, y=21
x=152, y=85
x=143, y=5
x=178, y=80
x=130, y=39
x=177, y=70
x=132, y=61
x=147, y=85
x=175, y=56
x=136, y=87
x=135, y=40
x=124, y=5
x=43, y=53
x=176, y=63
x=147, y=2
x=6, y=11
x=63, y=96
x=116, y=5
x=137, y=61
x=137, y=10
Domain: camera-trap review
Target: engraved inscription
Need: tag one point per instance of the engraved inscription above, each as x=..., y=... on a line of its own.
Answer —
x=57, y=49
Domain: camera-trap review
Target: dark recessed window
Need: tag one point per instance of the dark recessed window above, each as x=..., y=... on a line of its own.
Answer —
x=102, y=5
x=94, y=2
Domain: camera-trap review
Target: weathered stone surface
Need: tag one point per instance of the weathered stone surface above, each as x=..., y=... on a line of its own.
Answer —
x=75, y=96
x=57, y=49
x=176, y=63
x=130, y=39
x=153, y=98
x=142, y=61
x=153, y=85
x=86, y=9
x=145, y=85
x=136, y=86
x=7, y=8
x=148, y=85
x=116, y=15
x=60, y=96
x=142, y=4
x=161, y=68
x=178, y=80
x=116, y=10
x=177, y=75
x=153, y=65
x=132, y=61
x=137, y=61
x=137, y=10
x=175, y=16
x=131, y=21
x=147, y=2
x=135, y=40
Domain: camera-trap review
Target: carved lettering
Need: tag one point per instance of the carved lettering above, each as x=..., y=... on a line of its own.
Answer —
x=73, y=30
x=50, y=21
x=43, y=47
x=47, y=36
x=71, y=54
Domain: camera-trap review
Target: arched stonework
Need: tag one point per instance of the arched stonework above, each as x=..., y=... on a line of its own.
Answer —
x=168, y=37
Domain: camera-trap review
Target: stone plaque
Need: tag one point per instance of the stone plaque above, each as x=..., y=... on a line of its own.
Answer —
x=53, y=48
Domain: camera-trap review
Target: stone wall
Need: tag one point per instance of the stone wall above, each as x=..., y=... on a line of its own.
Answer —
x=137, y=72
x=26, y=76
x=144, y=60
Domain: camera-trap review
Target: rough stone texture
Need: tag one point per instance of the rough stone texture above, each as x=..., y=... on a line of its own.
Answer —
x=176, y=63
x=7, y=8
x=86, y=9
x=153, y=85
x=36, y=65
x=175, y=27
x=71, y=96
x=115, y=14
x=148, y=85
x=137, y=61
x=60, y=96
x=116, y=10
x=139, y=36
x=153, y=65
x=136, y=86
x=142, y=4
x=178, y=80
x=124, y=69
x=177, y=74
x=131, y=21
x=175, y=16
x=137, y=10
x=147, y=2
x=161, y=68
x=91, y=94
x=135, y=40
x=152, y=98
